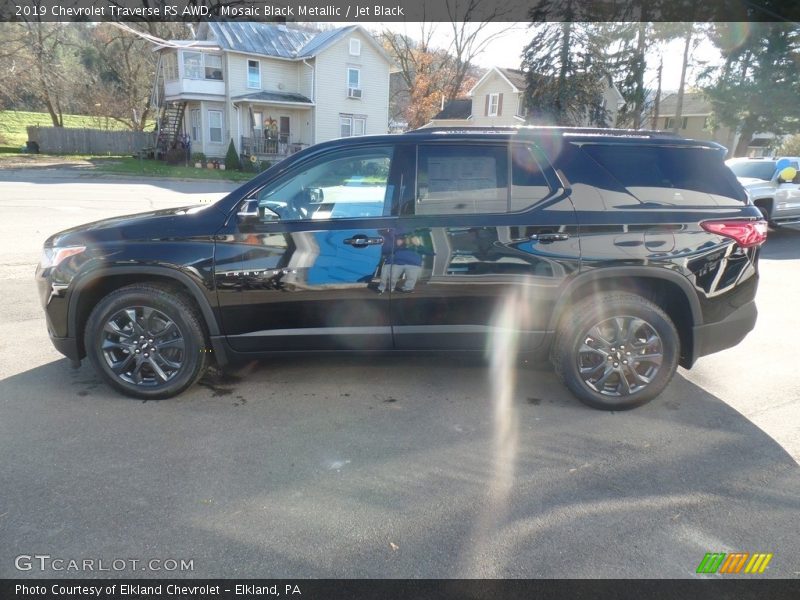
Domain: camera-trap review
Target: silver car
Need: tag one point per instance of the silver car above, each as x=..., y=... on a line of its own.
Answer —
x=778, y=200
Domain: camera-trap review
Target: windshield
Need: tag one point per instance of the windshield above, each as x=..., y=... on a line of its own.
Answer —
x=761, y=169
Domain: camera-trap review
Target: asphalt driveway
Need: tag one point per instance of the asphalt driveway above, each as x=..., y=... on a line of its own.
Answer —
x=388, y=466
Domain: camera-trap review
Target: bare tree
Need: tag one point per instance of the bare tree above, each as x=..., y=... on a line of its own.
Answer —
x=52, y=67
x=432, y=72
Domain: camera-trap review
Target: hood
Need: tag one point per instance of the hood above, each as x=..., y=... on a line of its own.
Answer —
x=751, y=181
x=185, y=221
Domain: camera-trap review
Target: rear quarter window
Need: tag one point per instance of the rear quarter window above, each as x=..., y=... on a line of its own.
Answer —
x=669, y=175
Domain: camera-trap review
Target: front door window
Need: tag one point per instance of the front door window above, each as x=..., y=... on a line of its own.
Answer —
x=350, y=184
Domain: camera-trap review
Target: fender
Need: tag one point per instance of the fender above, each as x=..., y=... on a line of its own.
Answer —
x=191, y=285
x=628, y=271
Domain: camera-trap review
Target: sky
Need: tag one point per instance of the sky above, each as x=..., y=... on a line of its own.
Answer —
x=506, y=51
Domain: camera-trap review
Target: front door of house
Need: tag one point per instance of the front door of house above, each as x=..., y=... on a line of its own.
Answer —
x=284, y=126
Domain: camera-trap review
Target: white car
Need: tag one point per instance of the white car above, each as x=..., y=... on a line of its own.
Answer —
x=778, y=200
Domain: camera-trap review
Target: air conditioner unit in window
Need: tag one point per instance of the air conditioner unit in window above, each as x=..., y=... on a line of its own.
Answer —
x=354, y=92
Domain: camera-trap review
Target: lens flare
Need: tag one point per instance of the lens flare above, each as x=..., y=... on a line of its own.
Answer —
x=503, y=348
x=731, y=36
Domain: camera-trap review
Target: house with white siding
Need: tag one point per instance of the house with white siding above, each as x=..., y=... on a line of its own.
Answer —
x=271, y=88
x=498, y=100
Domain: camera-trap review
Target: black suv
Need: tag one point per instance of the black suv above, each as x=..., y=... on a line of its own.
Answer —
x=618, y=254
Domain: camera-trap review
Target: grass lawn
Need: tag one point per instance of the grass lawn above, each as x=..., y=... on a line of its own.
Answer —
x=13, y=123
x=157, y=168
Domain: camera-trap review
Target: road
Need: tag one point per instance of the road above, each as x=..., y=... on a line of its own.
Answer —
x=383, y=467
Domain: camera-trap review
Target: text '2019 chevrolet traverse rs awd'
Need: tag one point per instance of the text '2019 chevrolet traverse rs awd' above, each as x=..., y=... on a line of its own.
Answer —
x=625, y=254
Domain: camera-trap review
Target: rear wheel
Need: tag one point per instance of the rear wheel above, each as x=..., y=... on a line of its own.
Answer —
x=146, y=342
x=616, y=351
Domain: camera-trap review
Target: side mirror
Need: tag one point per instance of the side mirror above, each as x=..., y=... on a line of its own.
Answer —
x=248, y=211
x=251, y=211
x=313, y=195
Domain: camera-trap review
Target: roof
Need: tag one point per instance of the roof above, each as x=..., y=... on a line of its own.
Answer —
x=460, y=108
x=266, y=96
x=324, y=39
x=515, y=77
x=268, y=39
x=694, y=103
x=279, y=40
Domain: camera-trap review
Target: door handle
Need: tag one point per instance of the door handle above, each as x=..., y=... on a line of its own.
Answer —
x=548, y=238
x=362, y=241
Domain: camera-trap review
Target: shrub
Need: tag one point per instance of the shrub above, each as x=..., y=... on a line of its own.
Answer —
x=232, y=158
x=265, y=164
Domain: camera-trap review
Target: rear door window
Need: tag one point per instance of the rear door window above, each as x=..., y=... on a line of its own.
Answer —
x=461, y=179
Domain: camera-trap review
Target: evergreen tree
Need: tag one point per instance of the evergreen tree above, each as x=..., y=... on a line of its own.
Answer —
x=566, y=69
x=758, y=87
x=232, y=158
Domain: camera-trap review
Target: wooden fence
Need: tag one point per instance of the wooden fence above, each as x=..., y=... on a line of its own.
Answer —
x=62, y=140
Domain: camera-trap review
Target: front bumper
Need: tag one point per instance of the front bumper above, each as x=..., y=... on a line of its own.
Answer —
x=714, y=337
x=68, y=347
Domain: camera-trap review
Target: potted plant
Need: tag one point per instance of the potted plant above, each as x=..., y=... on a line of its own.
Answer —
x=199, y=159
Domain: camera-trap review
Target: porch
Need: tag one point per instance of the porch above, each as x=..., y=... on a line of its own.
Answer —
x=270, y=149
x=274, y=125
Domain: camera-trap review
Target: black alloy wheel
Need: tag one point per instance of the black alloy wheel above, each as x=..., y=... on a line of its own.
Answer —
x=620, y=356
x=143, y=346
x=616, y=350
x=147, y=341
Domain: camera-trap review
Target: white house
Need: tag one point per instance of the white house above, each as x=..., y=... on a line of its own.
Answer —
x=271, y=88
x=497, y=100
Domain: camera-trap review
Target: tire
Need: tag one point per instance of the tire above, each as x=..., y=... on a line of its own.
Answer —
x=146, y=341
x=765, y=215
x=591, y=359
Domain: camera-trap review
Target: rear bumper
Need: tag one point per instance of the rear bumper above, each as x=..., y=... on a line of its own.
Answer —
x=726, y=333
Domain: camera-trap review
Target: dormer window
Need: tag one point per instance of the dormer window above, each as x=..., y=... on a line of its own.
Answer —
x=355, y=47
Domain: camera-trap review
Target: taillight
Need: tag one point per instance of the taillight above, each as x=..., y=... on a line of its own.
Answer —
x=746, y=233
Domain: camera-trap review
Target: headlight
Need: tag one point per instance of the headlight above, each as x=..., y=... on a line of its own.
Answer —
x=52, y=257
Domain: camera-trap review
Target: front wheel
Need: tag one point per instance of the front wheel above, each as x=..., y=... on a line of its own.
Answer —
x=146, y=342
x=616, y=351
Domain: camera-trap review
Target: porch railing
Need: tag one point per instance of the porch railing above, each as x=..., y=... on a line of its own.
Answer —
x=270, y=147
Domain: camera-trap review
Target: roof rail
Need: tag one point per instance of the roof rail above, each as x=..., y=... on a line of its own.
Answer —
x=548, y=129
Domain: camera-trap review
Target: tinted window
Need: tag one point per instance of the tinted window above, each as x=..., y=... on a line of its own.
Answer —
x=757, y=169
x=645, y=169
x=349, y=184
x=528, y=181
x=462, y=180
